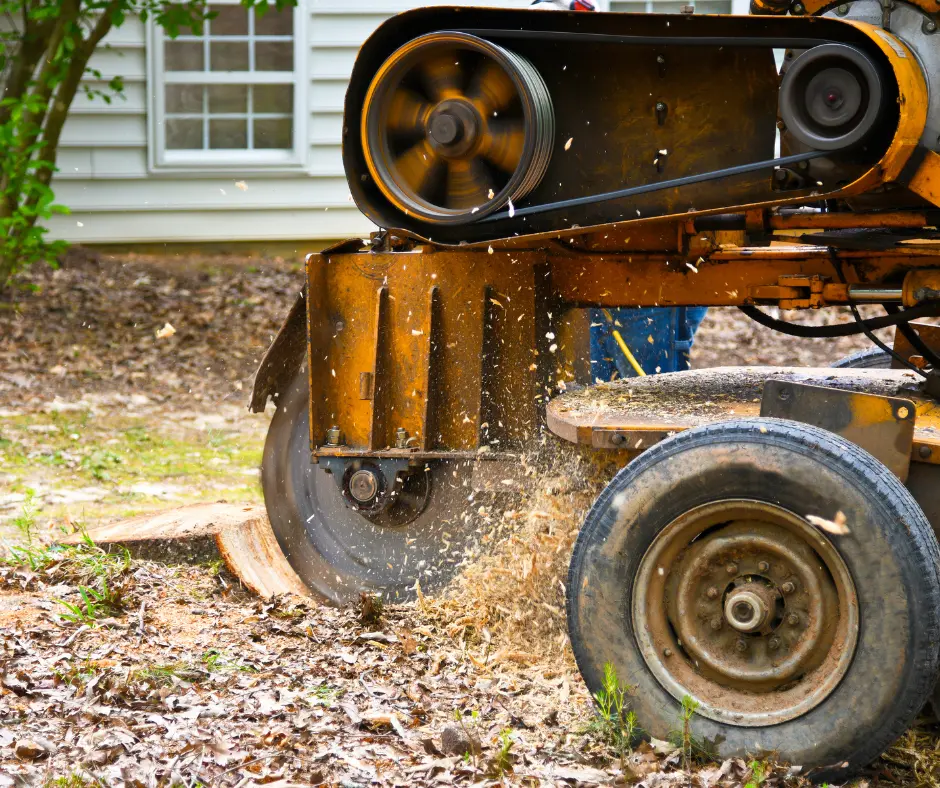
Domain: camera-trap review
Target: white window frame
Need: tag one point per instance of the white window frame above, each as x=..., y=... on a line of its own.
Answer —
x=227, y=161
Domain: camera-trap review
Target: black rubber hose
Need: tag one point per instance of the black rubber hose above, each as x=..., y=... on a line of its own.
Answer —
x=843, y=329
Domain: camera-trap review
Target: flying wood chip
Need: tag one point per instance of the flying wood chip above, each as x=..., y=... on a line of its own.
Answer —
x=836, y=526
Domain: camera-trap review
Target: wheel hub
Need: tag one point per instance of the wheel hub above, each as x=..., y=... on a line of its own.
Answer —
x=364, y=485
x=747, y=609
x=757, y=612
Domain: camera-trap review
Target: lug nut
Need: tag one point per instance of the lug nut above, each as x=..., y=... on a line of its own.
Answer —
x=788, y=587
x=763, y=566
x=773, y=644
x=716, y=623
x=740, y=646
x=712, y=593
x=793, y=619
x=731, y=569
x=667, y=652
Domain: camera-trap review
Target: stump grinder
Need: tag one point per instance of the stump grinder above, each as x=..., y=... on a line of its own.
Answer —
x=769, y=546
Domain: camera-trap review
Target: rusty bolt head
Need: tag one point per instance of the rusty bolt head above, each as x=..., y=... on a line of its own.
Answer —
x=741, y=646
x=788, y=587
x=773, y=644
x=401, y=438
x=333, y=436
x=667, y=652
x=793, y=619
x=716, y=623
x=731, y=569
x=712, y=593
x=763, y=566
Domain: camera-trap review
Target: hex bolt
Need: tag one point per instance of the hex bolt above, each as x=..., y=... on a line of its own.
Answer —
x=930, y=27
x=401, y=438
x=924, y=452
x=716, y=623
x=712, y=593
x=661, y=110
x=798, y=8
x=618, y=438
x=773, y=644
x=660, y=59
x=784, y=394
x=731, y=569
x=667, y=652
x=333, y=436
x=793, y=619
x=788, y=587
x=763, y=566
x=780, y=175
x=740, y=646
x=843, y=9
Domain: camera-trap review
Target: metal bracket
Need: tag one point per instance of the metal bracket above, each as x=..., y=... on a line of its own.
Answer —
x=882, y=426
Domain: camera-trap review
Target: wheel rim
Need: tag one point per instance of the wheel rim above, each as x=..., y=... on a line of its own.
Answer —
x=454, y=127
x=747, y=608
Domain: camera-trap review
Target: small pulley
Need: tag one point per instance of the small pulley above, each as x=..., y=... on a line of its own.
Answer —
x=831, y=97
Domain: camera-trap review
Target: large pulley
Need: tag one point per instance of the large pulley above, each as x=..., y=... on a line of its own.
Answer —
x=455, y=128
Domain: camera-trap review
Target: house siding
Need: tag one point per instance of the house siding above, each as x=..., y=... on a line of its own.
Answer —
x=115, y=196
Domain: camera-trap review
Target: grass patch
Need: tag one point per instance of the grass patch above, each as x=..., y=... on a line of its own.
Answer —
x=128, y=463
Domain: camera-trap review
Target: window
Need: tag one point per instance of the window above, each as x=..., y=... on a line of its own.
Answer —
x=230, y=97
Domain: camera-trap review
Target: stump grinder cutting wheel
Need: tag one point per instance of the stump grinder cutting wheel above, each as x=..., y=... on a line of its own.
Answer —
x=769, y=548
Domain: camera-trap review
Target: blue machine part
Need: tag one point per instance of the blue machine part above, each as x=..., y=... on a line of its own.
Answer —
x=660, y=339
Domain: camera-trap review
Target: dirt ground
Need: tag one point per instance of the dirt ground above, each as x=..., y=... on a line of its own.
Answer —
x=180, y=677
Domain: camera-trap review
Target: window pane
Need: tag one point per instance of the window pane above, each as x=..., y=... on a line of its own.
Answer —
x=228, y=55
x=228, y=134
x=275, y=23
x=274, y=133
x=183, y=134
x=273, y=98
x=184, y=98
x=228, y=98
x=274, y=56
x=183, y=56
x=232, y=20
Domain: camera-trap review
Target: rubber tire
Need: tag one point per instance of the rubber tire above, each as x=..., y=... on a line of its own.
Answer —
x=891, y=553
x=869, y=358
x=335, y=551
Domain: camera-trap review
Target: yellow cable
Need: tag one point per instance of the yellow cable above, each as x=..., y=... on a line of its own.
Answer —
x=623, y=346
